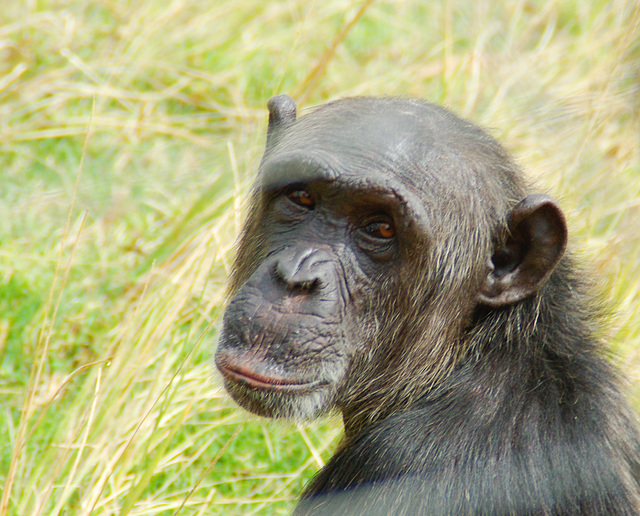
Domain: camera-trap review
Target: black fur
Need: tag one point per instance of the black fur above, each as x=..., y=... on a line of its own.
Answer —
x=531, y=421
x=395, y=267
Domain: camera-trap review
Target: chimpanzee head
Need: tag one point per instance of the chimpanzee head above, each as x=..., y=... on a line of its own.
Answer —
x=378, y=228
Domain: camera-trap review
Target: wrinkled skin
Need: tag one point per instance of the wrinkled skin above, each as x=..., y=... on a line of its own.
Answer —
x=394, y=267
x=308, y=313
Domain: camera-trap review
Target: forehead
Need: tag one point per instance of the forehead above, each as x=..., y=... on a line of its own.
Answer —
x=362, y=130
x=379, y=143
x=383, y=124
x=417, y=152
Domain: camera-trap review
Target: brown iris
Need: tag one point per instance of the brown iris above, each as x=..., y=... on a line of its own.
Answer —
x=301, y=198
x=381, y=229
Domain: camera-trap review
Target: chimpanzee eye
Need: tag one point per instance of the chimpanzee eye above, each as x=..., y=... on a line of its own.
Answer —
x=301, y=197
x=382, y=229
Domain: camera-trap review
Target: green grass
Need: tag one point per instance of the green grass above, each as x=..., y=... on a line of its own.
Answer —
x=129, y=133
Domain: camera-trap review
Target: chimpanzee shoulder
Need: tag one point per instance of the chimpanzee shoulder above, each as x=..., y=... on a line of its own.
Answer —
x=445, y=456
x=519, y=427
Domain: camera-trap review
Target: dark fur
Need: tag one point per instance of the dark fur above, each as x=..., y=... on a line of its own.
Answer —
x=457, y=398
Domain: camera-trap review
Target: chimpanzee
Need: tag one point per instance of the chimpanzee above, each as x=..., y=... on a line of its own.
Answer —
x=395, y=267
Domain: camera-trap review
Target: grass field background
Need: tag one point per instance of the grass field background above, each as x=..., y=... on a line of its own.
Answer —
x=129, y=133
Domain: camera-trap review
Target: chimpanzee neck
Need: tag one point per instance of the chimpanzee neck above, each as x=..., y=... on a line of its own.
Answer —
x=560, y=322
x=548, y=340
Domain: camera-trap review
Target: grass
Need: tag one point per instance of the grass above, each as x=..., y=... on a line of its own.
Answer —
x=129, y=132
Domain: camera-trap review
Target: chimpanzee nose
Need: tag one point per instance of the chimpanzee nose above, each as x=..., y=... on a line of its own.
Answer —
x=300, y=268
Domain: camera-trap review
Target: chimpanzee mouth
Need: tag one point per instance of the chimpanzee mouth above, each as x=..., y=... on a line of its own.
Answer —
x=266, y=383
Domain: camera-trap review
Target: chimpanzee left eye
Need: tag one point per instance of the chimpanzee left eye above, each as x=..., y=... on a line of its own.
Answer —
x=382, y=229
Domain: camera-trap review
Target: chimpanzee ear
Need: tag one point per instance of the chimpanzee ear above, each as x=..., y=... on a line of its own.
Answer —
x=282, y=113
x=536, y=242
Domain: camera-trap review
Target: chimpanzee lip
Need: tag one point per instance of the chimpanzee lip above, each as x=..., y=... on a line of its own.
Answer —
x=262, y=382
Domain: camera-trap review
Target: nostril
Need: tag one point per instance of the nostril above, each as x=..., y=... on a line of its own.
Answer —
x=305, y=285
x=299, y=280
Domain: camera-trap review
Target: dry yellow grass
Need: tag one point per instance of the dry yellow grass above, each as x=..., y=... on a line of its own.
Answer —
x=129, y=132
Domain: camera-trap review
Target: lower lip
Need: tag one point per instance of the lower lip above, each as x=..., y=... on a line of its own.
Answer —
x=265, y=383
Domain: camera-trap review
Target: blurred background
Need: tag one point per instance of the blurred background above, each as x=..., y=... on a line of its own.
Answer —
x=129, y=134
